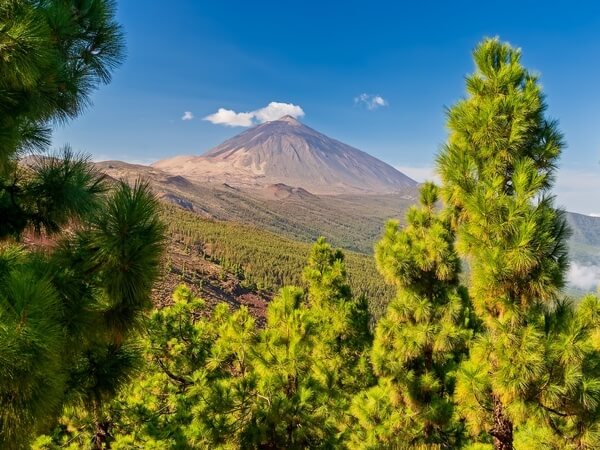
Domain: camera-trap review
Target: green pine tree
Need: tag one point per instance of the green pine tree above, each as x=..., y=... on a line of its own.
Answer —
x=68, y=307
x=221, y=379
x=342, y=320
x=497, y=170
x=421, y=339
x=55, y=53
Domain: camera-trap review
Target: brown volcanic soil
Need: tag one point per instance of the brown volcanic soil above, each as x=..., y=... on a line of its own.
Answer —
x=190, y=265
x=351, y=221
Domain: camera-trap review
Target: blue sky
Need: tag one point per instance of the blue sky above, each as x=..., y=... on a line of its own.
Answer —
x=199, y=56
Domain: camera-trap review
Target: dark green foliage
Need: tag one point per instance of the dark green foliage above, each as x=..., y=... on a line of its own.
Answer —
x=47, y=193
x=54, y=54
x=68, y=307
x=126, y=237
x=63, y=322
x=31, y=341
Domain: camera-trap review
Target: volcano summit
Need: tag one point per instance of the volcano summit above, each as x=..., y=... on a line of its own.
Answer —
x=287, y=151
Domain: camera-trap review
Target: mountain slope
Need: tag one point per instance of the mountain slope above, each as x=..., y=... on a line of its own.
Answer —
x=246, y=265
x=585, y=229
x=351, y=221
x=286, y=151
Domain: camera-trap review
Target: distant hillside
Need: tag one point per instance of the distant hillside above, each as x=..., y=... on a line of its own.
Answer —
x=584, y=249
x=351, y=221
x=245, y=265
x=586, y=229
x=208, y=278
x=286, y=151
x=584, y=245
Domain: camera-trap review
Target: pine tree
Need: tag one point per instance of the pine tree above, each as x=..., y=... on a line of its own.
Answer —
x=497, y=170
x=566, y=414
x=67, y=315
x=421, y=339
x=67, y=311
x=221, y=380
x=309, y=360
x=296, y=409
x=55, y=53
x=342, y=320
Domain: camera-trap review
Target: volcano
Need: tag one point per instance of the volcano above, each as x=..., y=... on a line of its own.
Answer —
x=285, y=151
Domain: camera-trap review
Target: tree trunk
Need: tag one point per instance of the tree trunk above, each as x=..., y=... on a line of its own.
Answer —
x=503, y=428
x=102, y=432
x=100, y=439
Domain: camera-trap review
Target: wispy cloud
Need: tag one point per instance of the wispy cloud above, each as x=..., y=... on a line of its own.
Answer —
x=583, y=277
x=370, y=101
x=188, y=115
x=273, y=111
x=420, y=173
x=575, y=188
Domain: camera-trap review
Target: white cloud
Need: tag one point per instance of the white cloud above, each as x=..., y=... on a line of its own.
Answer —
x=420, y=174
x=370, y=101
x=273, y=111
x=188, y=115
x=276, y=110
x=583, y=277
x=230, y=118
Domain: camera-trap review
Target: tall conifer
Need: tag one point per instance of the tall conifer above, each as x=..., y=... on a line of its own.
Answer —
x=497, y=170
x=67, y=311
x=420, y=340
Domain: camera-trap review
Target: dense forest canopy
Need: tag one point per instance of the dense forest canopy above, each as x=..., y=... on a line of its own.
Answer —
x=264, y=260
x=490, y=358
